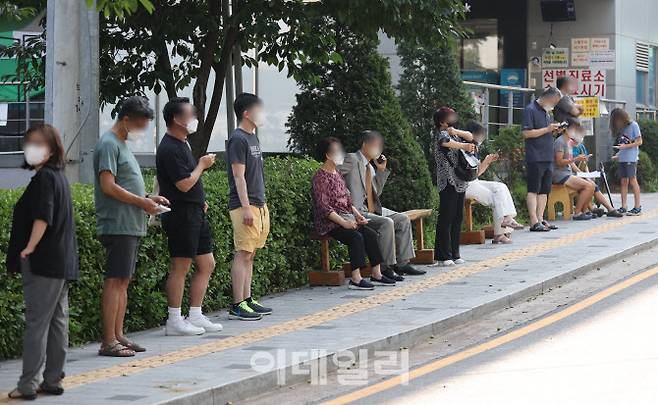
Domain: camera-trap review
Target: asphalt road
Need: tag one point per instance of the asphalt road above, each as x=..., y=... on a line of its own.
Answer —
x=596, y=351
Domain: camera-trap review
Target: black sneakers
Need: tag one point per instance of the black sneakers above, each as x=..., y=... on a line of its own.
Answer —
x=259, y=309
x=243, y=312
x=384, y=281
x=361, y=285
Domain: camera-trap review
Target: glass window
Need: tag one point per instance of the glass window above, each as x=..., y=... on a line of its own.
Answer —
x=641, y=85
x=481, y=50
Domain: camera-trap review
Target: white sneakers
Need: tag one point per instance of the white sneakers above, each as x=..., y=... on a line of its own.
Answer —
x=205, y=323
x=460, y=261
x=181, y=327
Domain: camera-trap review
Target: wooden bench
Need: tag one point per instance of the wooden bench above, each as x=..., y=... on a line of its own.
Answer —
x=423, y=256
x=564, y=195
x=471, y=236
x=327, y=276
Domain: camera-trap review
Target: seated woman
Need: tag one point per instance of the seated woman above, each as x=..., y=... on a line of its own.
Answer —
x=337, y=217
x=492, y=194
x=566, y=169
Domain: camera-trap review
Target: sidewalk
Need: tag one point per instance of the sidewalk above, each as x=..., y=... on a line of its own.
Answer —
x=216, y=368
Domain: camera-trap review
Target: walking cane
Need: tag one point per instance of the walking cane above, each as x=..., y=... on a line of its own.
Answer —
x=605, y=181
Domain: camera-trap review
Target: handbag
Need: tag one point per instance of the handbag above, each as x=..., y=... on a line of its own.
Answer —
x=467, y=166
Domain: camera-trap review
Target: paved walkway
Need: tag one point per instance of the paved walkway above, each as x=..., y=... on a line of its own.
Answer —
x=216, y=368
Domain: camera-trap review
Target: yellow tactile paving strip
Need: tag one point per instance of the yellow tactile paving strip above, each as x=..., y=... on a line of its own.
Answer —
x=339, y=311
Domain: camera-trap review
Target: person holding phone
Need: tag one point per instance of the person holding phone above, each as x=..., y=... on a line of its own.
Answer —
x=189, y=237
x=337, y=217
x=365, y=172
x=629, y=140
x=121, y=207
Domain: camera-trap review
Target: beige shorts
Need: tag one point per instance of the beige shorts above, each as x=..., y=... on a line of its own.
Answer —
x=250, y=238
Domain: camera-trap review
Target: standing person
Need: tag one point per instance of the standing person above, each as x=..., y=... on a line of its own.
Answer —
x=249, y=213
x=447, y=142
x=567, y=107
x=186, y=225
x=538, y=134
x=365, y=173
x=42, y=247
x=629, y=140
x=336, y=216
x=492, y=193
x=121, y=205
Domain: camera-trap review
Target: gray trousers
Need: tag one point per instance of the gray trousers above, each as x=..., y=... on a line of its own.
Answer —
x=395, y=239
x=46, y=336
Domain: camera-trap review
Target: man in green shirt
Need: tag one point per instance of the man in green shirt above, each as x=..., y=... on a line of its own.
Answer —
x=121, y=208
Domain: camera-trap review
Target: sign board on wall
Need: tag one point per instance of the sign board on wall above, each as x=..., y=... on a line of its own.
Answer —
x=580, y=45
x=602, y=59
x=555, y=58
x=515, y=78
x=600, y=44
x=591, y=82
x=591, y=107
x=579, y=59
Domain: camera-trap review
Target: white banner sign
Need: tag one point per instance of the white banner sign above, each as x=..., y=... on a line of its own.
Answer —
x=591, y=82
x=600, y=44
x=580, y=45
x=602, y=59
x=579, y=59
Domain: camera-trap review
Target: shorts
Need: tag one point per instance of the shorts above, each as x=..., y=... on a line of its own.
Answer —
x=188, y=230
x=540, y=177
x=563, y=180
x=250, y=238
x=120, y=255
x=627, y=170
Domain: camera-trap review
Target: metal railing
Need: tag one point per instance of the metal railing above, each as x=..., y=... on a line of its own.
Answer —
x=491, y=112
x=646, y=113
x=21, y=115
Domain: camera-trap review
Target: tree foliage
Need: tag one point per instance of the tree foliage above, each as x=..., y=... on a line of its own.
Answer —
x=354, y=96
x=430, y=79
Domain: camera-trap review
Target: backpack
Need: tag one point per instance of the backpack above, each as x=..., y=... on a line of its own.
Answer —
x=467, y=166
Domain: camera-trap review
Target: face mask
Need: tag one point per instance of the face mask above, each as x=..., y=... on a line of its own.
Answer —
x=338, y=158
x=258, y=118
x=549, y=108
x=575, y=136
x=375, y=152
x=35, y=155
x=192, y=126
x=136, y=134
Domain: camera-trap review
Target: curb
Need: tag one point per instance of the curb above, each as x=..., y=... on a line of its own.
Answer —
x=258, y=384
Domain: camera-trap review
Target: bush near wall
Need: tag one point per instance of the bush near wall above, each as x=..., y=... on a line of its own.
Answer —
x=281, y=265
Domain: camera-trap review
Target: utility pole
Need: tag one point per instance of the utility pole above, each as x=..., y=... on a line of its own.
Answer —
x=72, y=89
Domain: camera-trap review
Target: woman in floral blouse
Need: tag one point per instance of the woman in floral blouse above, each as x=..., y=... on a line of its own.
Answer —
x=337, y=217
x=447, y=141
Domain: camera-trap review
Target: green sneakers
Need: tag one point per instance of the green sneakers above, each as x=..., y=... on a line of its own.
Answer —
x=243, y=312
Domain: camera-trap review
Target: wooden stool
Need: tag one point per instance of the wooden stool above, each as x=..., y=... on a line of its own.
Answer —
x=470, y=236
x=423, y=256
x=326, y=276
x=560, y=194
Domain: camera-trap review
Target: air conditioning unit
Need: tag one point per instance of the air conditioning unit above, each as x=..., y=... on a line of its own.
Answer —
x=558, y=10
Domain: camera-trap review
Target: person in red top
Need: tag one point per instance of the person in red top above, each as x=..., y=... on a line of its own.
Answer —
x=337, y=217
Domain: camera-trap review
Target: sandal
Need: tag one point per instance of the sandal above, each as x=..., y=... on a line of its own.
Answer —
x=502, y=239
x=17, y=394
x=132, y=345
x=549, y=226
x=116, y=350
x=538, y=227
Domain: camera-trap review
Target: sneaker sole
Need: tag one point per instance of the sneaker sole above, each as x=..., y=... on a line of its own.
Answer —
x=376, y=283
x=633, y=214
x=167, y=333
x=360, y=288
x=242, y=318
x=263, y=313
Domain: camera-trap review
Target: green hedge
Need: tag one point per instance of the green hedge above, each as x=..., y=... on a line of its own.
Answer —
x=282, y=264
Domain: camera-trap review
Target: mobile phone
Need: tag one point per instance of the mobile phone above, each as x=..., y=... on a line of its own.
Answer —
x=380, y=159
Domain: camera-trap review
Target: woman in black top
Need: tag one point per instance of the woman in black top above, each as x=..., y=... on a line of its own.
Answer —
x=42, y=247
x=446, y=143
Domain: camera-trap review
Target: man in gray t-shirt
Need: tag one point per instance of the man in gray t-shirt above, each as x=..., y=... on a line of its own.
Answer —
x=567, y=107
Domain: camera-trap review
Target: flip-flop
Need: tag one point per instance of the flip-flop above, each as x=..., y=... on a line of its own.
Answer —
x=132, y=345
x=116, y=350
x=16, y=394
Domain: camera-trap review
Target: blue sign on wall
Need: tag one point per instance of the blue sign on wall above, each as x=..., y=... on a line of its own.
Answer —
x=515, y=78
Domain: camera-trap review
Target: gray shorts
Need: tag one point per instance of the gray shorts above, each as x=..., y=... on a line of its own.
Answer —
x=627, y=170
x=120, y=255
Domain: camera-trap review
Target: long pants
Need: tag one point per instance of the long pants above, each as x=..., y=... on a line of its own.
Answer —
x=394, y=236
x=46, y=336
x=360, y=242
x=496, y=195
x=448, y=226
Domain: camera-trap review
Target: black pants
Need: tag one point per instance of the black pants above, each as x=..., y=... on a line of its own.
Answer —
x=360, y=242
x=449, y=224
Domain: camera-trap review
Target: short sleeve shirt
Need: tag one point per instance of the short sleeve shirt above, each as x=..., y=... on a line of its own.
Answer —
x=538, y=149
x=174, y=162
x=244, y=148
x=632, y=132
x=47, y=198
x=114, y=217
x=563, y=109
x=559, y=173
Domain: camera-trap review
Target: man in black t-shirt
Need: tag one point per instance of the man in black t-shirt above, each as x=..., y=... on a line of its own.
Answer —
x=249, y=214
x=187, y=228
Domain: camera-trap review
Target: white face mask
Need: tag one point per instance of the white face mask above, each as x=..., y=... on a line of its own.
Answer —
x=136, y=134
x=375, y=152
x=192, y=126
x=35, y=154
x=258, y=118
x=338, y=158
x=549, y=108
x=576, y=136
